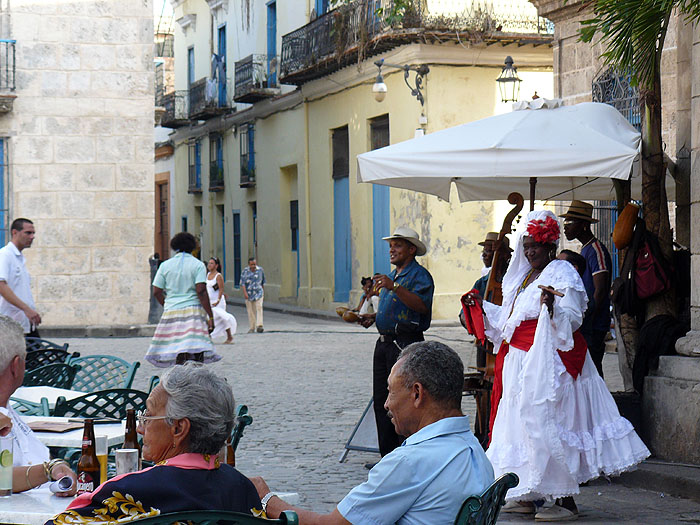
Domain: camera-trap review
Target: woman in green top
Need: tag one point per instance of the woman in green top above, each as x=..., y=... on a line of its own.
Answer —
x=180, y=286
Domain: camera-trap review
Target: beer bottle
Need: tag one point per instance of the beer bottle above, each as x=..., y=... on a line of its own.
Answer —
x=130, y=436
x=88, y=464
x=230, y=454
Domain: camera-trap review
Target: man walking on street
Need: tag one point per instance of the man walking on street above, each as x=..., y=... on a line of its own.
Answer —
x=253, y=282
x=596, y=278
x=16, y=300
x=405, y=304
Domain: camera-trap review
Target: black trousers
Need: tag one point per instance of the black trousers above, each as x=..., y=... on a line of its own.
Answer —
x=595, y=339
x=386, y=353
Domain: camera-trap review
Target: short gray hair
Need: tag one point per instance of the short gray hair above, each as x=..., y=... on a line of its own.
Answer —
x=195, y=393
x=435, y=366
x=12, y=341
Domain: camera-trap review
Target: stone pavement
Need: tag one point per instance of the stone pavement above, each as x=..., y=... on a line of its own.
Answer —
x=306, y=382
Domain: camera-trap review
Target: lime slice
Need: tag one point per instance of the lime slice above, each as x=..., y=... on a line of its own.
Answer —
x=6, y=458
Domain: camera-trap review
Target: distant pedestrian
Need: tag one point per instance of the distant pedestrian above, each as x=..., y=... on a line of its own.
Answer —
x=404, y=313
x=596, y=278
x=253, y=285
x=224, y=321
x=183, y=331
x=16, y=299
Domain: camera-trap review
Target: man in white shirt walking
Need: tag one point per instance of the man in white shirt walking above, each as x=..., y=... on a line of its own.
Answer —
x=16, y=299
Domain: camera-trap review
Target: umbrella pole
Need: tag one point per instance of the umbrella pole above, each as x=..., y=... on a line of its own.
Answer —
x=533, y=184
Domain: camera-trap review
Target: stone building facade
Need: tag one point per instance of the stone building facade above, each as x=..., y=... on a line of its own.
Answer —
x=670, y=412
x=78, y=145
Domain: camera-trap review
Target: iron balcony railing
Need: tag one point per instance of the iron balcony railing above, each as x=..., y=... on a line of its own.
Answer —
x=176, y=112
x=208, y=98
x=195, y=180
x=350, y=28
x=256, y=77
x=216, y=176
x=247, y=171
x=7, y=64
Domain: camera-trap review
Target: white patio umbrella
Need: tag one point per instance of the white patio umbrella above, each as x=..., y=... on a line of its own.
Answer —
x=572, y=151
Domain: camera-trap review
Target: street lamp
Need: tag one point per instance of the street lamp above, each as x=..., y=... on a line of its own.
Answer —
x=379, y=88
x=509, y=82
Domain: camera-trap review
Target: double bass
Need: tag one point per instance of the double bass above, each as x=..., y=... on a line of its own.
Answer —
x=479, y=384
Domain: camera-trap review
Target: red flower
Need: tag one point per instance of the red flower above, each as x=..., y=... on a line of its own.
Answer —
x=544, y=231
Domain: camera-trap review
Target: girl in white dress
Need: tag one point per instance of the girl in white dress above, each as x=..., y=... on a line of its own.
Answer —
x=224, y=322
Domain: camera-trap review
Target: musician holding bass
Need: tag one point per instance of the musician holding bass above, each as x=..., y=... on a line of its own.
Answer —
x=404, y=313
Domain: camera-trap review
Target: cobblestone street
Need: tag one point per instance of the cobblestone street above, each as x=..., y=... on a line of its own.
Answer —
x=306, y=382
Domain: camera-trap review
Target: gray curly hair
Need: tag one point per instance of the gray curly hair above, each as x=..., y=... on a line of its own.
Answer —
x=205, y=399
x=12, y=341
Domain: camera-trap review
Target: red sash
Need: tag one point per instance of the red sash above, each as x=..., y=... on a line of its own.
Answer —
x=522, y=338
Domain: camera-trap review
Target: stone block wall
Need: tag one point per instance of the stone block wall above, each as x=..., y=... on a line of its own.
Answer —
x=80, y=154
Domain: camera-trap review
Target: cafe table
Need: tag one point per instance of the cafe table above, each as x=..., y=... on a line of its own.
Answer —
x=33, y=507
x=74, y=438
x=35, y=393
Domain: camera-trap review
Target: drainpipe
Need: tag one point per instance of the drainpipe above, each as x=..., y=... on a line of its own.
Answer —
x=307, y=204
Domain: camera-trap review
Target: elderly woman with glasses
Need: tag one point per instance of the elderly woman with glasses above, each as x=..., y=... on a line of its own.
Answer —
x=188, y=417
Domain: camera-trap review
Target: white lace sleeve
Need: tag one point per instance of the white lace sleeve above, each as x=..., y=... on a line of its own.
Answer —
x=570, y=309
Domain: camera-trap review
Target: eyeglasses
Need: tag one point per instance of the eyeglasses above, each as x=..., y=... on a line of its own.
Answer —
x=142, y=418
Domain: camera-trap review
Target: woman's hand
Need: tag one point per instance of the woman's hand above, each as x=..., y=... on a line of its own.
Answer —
x=60, y=470
x=216, y=303
x=210, y=323
x=5, y=425
x=547, y=298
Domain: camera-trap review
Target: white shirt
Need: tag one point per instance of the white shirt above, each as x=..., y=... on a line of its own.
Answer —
x=26, y=448
x=13, y=271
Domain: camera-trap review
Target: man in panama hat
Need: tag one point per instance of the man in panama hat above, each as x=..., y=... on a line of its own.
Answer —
x=596, y=278
x=404, y=313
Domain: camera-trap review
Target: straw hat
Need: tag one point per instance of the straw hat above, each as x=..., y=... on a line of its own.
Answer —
x=580, y=210
x=493, y=237
x=407, y=234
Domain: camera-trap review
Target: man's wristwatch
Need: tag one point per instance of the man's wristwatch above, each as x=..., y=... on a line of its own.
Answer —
x=265, y=499
x=396, y=286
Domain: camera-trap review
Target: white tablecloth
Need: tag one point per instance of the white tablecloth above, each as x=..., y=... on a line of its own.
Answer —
x=74, y=438
x=33, y=507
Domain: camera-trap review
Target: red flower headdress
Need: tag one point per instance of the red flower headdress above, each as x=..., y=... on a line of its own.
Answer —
x=543, y=231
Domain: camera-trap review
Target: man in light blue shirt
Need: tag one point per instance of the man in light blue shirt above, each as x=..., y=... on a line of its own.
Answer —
x=439, y=465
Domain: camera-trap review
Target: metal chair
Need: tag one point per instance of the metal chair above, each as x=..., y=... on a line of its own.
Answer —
x=242, y=420
x=30, y=408
x=102, y=372
x=47, y=356
x=58, y=375
x=484, y=509
x=152, y=383
x=104, y=403
x=212, y=517
x=36, y=343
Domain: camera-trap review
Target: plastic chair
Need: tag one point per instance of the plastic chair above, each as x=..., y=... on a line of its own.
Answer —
x=484, y=509
x=36, y=343
x=212, y=517
x=58, y=375
x=30, y=408
x=104, y=403
x=102, y=372
x=47, y=356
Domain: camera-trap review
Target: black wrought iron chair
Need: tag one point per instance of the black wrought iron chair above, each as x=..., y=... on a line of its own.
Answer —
x=213, y=517
x=484, y=509
x=36, y=343
x=47, y=356
x=59, y=375
x=102, y=404
x=243, y=419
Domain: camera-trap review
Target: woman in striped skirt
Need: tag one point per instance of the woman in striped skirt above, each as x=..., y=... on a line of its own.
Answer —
x=183, y=331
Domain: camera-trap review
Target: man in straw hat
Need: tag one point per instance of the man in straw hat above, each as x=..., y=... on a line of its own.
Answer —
x=596, y=278
x=404, y=313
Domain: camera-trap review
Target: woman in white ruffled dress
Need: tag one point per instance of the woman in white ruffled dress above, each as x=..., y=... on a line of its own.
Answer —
x=556, y=425
x=224, y=322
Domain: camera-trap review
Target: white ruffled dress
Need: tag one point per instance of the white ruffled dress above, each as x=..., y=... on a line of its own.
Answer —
x=553, y=431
